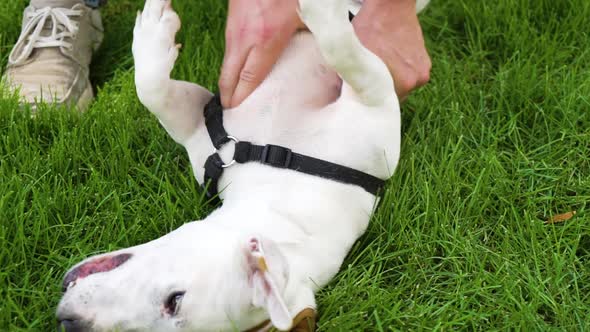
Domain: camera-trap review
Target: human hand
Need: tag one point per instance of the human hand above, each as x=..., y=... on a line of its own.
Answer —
x=390, y=29
x=256, y=34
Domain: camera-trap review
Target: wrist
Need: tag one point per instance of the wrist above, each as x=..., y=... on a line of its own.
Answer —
x=390, y=4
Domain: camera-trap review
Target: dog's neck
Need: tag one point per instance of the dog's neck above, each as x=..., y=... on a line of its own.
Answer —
x=301, y=213
x=314, y=222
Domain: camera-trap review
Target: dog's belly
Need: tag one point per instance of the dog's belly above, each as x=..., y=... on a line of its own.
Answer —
x=299, y=81
x=289, y=109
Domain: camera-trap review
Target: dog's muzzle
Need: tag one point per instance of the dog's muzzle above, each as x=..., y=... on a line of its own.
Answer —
x=72, y=325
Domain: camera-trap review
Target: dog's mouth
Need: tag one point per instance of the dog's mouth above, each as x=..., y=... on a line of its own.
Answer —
x=305, y=321
x=99, y=265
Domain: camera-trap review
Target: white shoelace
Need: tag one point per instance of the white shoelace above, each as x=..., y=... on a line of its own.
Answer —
x=61, y=27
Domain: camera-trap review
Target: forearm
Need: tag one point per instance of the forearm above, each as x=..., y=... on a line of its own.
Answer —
x=390, y=4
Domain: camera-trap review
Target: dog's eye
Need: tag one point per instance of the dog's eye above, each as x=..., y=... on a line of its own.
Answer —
x=172, y=303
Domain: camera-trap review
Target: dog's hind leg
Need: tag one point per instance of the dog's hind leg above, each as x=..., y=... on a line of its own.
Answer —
x=355, y=5
x=362, y=70
x=177, y=104
x=421, y=4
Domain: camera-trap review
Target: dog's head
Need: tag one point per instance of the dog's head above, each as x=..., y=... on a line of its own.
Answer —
x=197, y=278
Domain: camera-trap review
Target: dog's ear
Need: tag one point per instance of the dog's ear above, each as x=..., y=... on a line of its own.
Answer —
x=268, y=276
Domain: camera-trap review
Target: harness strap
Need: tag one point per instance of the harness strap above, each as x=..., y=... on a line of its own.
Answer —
x=213, y=171
x=214, y=122
x=273, y=155
x=281, y=157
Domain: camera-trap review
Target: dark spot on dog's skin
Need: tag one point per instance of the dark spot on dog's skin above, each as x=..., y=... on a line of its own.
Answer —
x=99, y=265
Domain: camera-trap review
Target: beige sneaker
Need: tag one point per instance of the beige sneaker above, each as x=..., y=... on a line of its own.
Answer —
x=50, y=60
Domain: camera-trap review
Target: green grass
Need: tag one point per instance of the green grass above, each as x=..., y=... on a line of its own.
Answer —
x=495, y=144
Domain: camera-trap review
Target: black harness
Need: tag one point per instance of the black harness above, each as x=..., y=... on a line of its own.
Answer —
x=272, y=155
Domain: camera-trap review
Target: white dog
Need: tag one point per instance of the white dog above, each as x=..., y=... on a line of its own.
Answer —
x=280, y=234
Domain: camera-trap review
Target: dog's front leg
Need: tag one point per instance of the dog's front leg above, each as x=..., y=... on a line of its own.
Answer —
x=360, y=69
x=178, y=105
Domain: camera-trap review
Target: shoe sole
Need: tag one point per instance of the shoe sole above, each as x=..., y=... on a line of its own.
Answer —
x=86, y=98
x=82, y=105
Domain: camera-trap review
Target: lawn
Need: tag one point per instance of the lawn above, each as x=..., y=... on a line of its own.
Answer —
x=494, y=147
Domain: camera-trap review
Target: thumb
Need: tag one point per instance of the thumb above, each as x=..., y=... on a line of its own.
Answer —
x=258, y=65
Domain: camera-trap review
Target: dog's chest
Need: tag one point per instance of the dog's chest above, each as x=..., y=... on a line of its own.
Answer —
x=289, y=109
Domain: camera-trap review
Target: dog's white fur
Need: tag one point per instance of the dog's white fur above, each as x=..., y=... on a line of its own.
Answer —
x=299, y=226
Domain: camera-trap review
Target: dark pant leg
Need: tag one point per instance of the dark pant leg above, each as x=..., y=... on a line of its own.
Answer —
x=95, y=3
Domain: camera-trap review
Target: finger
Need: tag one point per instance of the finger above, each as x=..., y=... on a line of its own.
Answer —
x=233, y=61
x=409, y=75
x=404, y=80
x=402, y=93
x=258, y=65
x=236, y=51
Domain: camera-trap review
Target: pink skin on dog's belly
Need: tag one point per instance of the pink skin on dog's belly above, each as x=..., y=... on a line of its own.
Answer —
x=300, y=81
x=99, y=265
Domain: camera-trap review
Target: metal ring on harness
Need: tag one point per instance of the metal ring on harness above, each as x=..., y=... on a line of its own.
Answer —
x=233, y=161
x=272, y=155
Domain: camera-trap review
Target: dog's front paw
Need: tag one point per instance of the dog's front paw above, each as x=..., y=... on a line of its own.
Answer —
x=154, y=46
x=316, y=14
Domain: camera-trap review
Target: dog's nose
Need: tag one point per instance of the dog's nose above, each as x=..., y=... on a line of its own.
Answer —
x=71, y=325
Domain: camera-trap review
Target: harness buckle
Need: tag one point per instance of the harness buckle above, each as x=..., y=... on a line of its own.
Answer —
x=276, y=156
